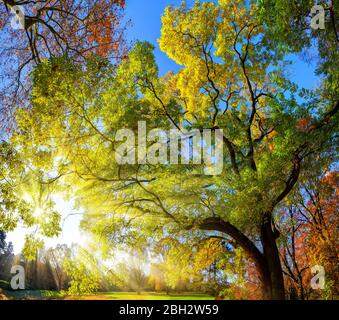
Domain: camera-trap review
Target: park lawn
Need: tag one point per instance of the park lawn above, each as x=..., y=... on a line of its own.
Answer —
x=49, y=295
x=156, y=296
x=33, y=294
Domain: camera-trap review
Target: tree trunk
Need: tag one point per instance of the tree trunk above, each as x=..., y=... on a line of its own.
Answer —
x=266, y=285
x=260, y=260
x=271, y=254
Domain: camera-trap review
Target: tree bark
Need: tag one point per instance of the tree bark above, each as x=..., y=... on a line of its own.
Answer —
x=271, y=254
x=260, y=260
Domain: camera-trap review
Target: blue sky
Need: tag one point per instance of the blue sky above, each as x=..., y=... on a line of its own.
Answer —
x=145, y=16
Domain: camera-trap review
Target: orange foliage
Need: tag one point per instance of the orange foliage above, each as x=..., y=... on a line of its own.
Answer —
x=101, y=28
x=313, y=236
x=305, y=124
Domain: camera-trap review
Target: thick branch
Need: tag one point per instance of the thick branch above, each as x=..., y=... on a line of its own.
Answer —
x=217, y=224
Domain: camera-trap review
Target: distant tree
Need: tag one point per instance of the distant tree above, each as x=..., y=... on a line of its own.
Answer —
x=84, y=271
x=156, y=278
x=56, y=257
x=6, y=259
x=137, y=279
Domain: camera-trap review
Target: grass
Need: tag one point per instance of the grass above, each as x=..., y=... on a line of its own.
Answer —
x=32, y=294
x=156, y=296
x=46, y=295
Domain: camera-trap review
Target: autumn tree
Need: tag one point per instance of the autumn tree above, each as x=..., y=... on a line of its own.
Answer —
x=231, y=78
x=32, y=31
x=309, y=235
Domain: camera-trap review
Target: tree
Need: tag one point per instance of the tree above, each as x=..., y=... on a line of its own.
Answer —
x=41, y=272
x=231, y=78
x=6, y=260
x=290, y=30
x=293, y=255
x=56, y=257
x=309, y=234
x=137, y=279
x=32, y=31
x=156, y=278
x=83, y=278
x=131, y=274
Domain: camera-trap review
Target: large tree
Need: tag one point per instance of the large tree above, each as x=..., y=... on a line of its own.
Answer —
x=232, y=77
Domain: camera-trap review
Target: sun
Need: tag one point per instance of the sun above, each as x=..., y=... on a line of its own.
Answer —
x=38, y=212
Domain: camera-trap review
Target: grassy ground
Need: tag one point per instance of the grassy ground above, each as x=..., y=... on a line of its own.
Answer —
x=43, y=295
x=32, y=295
x=155, y=296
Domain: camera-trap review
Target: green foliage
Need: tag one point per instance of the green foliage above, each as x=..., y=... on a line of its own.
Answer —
x=76, y=111
x=83, y=272
x=12, y=207
x=31, y=247
x=233, y=76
